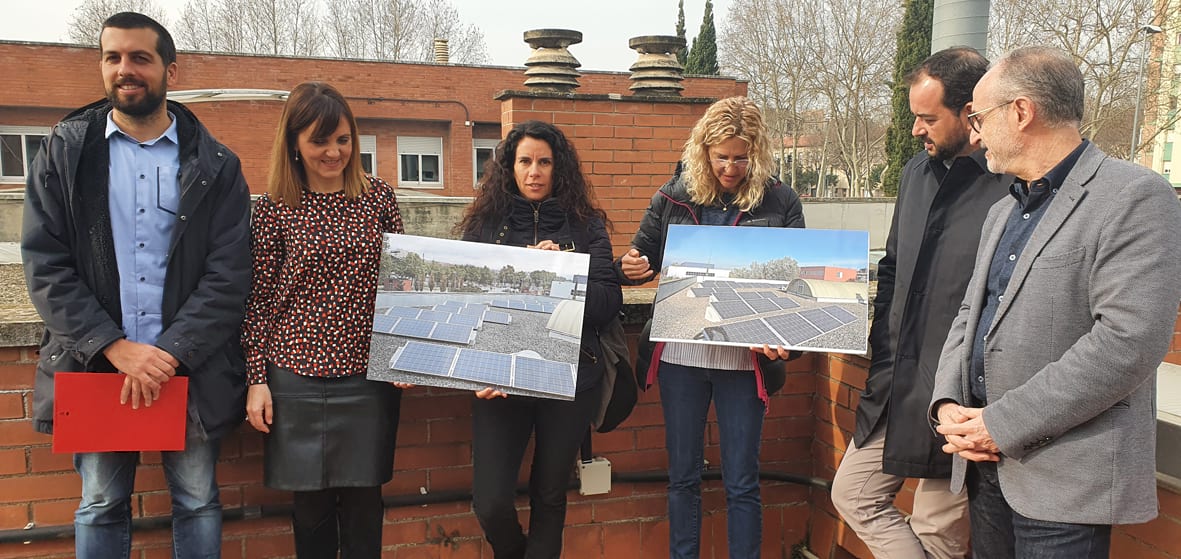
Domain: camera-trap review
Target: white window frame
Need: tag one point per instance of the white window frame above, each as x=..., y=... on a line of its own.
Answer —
x=478, y=144
x=420, y=146
x=369, y=147
x=23, y=132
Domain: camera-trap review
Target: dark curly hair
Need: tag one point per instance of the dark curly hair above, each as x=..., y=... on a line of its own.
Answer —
x=570, y=188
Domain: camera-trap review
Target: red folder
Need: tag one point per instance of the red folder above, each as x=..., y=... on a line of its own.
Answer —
x=88, y=417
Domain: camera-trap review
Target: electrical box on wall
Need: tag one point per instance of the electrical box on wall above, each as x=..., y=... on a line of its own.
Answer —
x=595, y=476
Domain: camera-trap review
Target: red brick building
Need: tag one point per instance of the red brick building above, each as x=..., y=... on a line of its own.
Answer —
x=828, y=273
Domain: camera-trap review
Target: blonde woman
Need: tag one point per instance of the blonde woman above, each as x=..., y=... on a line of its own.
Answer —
x=726, y=180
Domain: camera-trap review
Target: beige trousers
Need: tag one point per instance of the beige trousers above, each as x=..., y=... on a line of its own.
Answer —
x=864, y=495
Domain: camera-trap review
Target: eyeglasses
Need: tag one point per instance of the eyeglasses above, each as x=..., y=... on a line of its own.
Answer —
x=724, y=164
x=974, y=119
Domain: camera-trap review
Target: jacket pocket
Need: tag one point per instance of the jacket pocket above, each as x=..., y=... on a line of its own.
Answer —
x=1062, y=260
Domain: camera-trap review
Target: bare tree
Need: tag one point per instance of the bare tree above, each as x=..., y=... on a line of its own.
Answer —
x=87, y=21
x=275, y=27
x=853, y=65
x=401, y=30
x=377, y=29
x=818, y=65
x=465, y=42
x=1104, y=37
x=754, y=46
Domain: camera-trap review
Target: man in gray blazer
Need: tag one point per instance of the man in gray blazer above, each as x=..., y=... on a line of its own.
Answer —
x=1046, y=386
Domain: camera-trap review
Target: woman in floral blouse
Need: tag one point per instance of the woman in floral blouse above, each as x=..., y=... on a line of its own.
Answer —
x=316, y=244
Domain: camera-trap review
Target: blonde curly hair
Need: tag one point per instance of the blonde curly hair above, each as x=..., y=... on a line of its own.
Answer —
x=733, y=117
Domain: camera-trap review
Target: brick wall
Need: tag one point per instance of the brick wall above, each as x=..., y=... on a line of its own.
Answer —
x=1174, y=354
x=434, y=454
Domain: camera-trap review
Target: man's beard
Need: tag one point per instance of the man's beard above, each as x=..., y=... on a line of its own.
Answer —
x=948, y=150
x=146, y=105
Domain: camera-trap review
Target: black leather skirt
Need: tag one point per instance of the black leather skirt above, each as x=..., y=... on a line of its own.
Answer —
x=329, y=432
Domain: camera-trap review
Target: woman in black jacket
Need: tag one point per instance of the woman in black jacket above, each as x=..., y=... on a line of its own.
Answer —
x=536, y=196
x=726, y=180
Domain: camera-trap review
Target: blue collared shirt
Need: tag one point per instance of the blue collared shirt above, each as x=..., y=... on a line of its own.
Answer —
x=1032, y=201
x=144, y=196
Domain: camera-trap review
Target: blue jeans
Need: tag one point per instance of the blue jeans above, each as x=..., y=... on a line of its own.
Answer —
x=102, y=524
x=999, y=532
x=685, y=394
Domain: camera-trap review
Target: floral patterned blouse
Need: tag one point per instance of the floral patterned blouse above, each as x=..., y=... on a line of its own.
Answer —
x=315, y=280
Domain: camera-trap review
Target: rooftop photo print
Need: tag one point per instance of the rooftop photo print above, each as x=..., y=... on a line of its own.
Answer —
x=802, y=289
x=467, y=315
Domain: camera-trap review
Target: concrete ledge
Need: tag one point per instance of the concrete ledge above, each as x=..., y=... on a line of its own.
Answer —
x=20, y=326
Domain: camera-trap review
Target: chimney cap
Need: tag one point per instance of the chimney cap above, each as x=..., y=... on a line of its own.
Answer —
x=552, y=38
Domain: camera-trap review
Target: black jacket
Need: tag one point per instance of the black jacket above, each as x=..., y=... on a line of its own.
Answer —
x=670, y=205
x=921, y=281
x=69, y=259
x=528, y=223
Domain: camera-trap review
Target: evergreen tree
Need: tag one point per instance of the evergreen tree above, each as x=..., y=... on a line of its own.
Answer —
x=683, y=54
x=703, y=57
x=914, y=46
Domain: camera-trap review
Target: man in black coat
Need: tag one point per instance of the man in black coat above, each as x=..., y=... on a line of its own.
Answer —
x=943, y=198
x=136, y=250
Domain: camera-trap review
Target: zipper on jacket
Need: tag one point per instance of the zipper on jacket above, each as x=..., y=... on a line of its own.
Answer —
x=536, y=220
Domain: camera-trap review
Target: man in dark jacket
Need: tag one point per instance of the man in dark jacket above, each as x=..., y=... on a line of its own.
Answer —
x=137, y=255
x=943, y=198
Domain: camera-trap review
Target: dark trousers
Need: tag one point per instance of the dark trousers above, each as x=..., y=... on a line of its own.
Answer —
x=347, y=519
x=999, y=532
x=501, y=428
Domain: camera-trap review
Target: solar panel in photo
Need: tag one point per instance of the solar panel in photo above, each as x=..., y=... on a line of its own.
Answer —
x=709, y=283
x=404, y=312
x=548, y=307
x=748, y=295
x=824, y=321
x=747, y=332
x=732, y=309
x=502, y=303
x=473, y=310
x=449, y=306
x=702, y=291
x=471, y=321
x=427, y=359
x=534, y=307
x=726, y=296
x=840, y=314
x=434, y=316
x=454, y=333
x=539, y=375
x=769, y=294
x=414, y=328
x=792, y=328
x=785, y=303
x=515, y=304
x=484, y=366
x=383, y=323
x=498, y=317
x=763, y=305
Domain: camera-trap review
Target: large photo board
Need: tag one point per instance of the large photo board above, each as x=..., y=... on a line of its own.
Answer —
x=467, y=315
x=805, y=289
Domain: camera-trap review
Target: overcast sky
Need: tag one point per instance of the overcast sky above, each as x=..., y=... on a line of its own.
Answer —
x=606, y=25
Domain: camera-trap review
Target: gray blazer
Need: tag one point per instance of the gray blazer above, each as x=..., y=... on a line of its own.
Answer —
x=1071, y=356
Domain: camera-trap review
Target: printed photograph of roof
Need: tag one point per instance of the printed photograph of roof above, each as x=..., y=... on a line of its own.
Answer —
x=469, y=316
x=749, y=286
